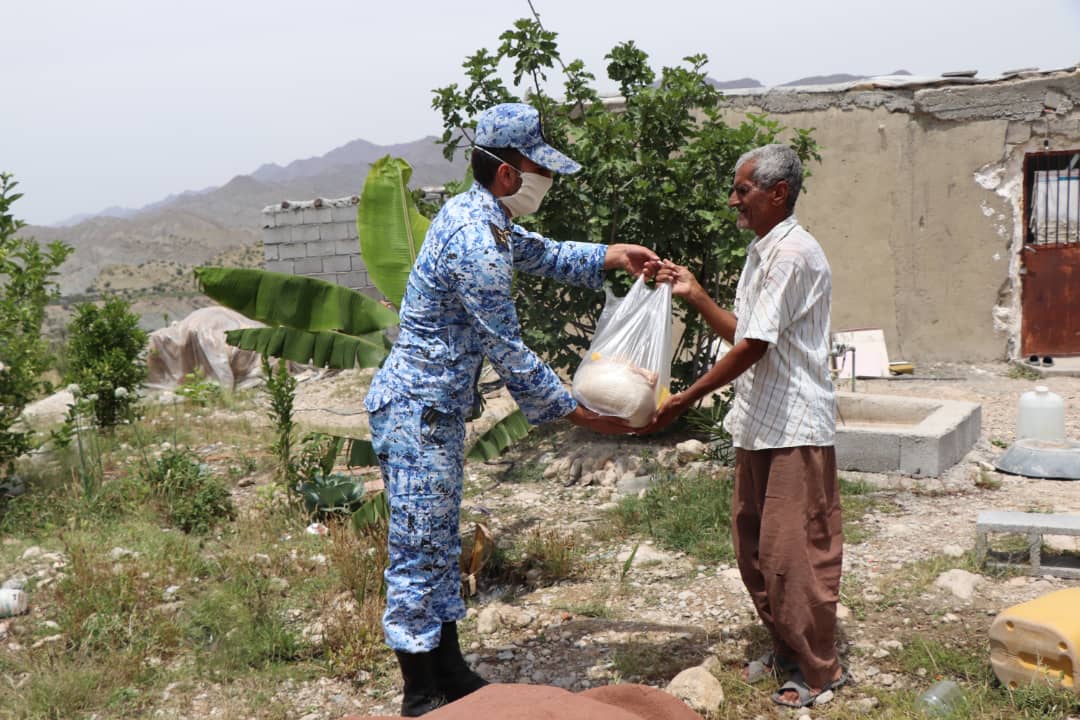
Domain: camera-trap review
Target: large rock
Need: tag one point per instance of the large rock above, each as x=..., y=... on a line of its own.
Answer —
x=48, y=412
x=489, y=620
x=690, y=449
x=698, y=688
x=960, y=583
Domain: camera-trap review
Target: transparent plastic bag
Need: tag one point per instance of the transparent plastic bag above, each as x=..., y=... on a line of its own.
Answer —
x=627, y=371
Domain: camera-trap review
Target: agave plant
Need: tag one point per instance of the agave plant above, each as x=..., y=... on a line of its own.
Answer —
x=315, y=322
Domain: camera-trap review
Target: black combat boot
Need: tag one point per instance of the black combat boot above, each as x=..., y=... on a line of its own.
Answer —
x=422, y=693
x=454, y=677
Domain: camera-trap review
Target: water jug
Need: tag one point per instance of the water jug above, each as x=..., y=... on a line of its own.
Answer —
x=941, y=699
x=1041, y=416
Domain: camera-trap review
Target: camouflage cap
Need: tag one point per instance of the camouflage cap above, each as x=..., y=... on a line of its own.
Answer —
x=517, y=125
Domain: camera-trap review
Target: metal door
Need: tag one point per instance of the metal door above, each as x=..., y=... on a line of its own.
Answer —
x=1050, y=260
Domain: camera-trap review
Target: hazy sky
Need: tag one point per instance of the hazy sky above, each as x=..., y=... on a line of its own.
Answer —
x=122, y=102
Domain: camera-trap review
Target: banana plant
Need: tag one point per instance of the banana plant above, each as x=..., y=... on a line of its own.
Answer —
x=315, y=322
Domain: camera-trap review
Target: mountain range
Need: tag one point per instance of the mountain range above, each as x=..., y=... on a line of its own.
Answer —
x=193, y=227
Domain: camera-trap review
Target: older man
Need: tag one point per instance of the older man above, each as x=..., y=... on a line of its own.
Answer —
x=786, y=506
x=456, y=311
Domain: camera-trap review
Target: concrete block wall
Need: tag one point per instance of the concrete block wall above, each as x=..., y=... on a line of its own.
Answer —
x=316, y=238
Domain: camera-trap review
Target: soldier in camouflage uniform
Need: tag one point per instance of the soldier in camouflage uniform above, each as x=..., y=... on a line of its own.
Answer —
x=457, y=310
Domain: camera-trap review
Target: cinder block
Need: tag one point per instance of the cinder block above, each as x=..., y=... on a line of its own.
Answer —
x=292, y=251
x=288, y=217
x=316, y=216
x=337, y=231
x=279, y=266
x=344, y=214
x=270, y=252
x=358, y=263
x=308, y=266
x=336, y=264
x=921, y=456
x=305, y=233
x=320, y=248
x=346, y=247
x=355, y=280
x=276, y=235
x=268, y=220
x=867, y=451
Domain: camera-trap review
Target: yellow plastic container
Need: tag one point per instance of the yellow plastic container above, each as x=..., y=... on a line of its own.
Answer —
x=1038, y=641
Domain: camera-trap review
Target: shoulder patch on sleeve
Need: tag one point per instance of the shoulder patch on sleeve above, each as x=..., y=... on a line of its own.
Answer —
x=501, y=236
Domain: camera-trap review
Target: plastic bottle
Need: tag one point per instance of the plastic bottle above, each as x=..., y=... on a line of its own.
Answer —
x=12, y=602
x=1041, y=416
x=940, y=699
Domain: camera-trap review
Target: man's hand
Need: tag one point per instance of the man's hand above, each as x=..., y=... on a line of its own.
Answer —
x=676, y=405
x=605, y=424
x=683, y=282
x=631, y=258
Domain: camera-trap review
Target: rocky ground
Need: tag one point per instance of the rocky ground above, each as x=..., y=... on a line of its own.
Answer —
x=670, y=611
x=908, y=579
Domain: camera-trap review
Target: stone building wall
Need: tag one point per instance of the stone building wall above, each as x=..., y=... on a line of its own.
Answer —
x=917, y=200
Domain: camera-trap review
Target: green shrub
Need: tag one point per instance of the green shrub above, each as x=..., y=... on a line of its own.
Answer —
x=199, y=389
x=691, y=513
x=104, y=347
x=194, y=499
x=26, y=285
x=657, y=173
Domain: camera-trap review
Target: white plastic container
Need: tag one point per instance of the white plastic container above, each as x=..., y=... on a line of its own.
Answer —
x=12, y=602
x=1041, y=416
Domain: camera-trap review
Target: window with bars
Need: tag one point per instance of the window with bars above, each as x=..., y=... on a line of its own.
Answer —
x=1052, y=197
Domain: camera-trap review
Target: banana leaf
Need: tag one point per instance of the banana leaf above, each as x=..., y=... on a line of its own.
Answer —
x=502, y=435
x=390, y=227
x=374, y=511
x=321, y=349
x=361, y=454
x=294, y=300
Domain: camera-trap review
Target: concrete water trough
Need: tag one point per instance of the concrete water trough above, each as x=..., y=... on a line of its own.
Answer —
x=906, y=435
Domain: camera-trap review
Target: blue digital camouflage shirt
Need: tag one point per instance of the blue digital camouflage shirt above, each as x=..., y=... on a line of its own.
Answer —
x=457, y=309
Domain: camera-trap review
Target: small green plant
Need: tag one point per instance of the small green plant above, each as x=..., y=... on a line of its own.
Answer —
x=281, y=387
x=354, y=637
x=998, y=442
x=104, y=348
x=1020, y=371
x=943, y=657
x=198, y=389
x=192, y=498
x=553, y=555
x=87, y=441
x=240, y=624
x=691, y=513
x=541, y=557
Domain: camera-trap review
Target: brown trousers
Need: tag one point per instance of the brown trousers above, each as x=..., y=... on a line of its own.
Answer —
x=789, y=544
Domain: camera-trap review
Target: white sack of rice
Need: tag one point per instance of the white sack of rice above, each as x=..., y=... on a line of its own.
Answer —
x=613, y=388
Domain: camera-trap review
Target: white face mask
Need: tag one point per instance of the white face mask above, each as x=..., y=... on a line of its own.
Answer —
x=527, y=199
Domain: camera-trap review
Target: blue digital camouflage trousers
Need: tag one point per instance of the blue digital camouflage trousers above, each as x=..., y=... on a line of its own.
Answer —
x=421, y=453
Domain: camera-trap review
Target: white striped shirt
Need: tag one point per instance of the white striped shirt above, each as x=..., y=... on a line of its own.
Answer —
x=787, y=398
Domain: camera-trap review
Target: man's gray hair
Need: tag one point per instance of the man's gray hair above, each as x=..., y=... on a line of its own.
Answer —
x=773, y=163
